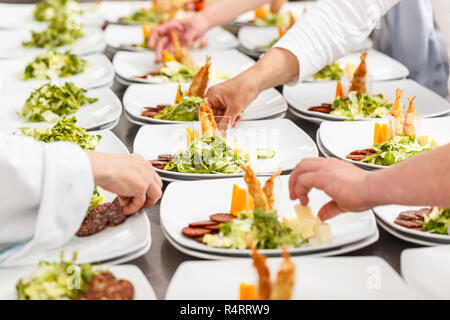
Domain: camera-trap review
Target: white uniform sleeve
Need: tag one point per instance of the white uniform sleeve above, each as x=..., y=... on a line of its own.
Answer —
x=45, y=191
x=329, y=30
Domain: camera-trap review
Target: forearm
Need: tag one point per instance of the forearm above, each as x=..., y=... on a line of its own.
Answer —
x=225, y=11
x=423, y=180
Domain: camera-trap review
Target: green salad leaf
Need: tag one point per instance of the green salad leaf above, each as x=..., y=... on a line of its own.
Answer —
x=272, y=19
x=50, y=10
x=58, y=33
x=356, y=106
x=207, y=155
x=437, y=221
x=49, y=102
x=65, y=130
x=176, y=72
x=330, y=72
x=142, y=16
x=56, y=280
x=394, y=150
x=96, y=200
x=185, y=110
x=54, y=64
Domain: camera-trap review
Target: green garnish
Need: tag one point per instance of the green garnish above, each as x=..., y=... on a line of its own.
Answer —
x=176, y=72
x=54, y=64
x=56, y=280
x=272, y=19
x=185, y=110
x=96, y=200
x=361, y=106
x=49, y=102
x=265, y=153
x=331, y=72
x=437, y=221
x=207, y=155
x=50, y=10
x=58, y=33
x=142, y=16
x=65, y=130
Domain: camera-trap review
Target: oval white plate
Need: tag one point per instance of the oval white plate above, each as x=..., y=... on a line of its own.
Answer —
x=99, y=73
x=138, y=96
x=305, y=95
x=178, y=211
x=128, y=65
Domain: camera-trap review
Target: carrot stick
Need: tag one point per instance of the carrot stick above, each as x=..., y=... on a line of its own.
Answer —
x=339, y=90
x=178, y=96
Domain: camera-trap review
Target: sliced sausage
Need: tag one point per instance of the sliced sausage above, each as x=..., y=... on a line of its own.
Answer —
x=408, y=223
x=96, y=221
x=115, y=213
x=213, y=227
x=201, y=224
x=166, y=157
x=194, y=232
x=159, y=164
x=221, y=217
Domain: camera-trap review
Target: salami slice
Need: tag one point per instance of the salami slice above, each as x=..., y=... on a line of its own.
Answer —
x=213, y=227
x=201, y=224
x=221, y=217
x=115, y=214
x=96, y=221
x=194, y=232
x=104, y=286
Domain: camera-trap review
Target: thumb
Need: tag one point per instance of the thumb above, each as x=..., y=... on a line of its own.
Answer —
x=330, y=210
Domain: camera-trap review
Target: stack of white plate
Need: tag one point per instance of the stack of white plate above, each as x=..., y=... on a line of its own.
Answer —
x=339, y=138
x=187, y=202
x=290, y=143
x=113, y=11
x=113, y=245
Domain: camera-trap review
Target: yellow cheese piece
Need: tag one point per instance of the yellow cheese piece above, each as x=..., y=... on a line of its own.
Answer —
x=307, y=228
x=423, y=140
x=323, y=232
x=303, y=212
x=434, y=143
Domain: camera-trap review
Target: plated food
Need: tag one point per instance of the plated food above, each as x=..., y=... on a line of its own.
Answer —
x=52, y=10
x=271, y=15
x=281, y=31
x=433, y=220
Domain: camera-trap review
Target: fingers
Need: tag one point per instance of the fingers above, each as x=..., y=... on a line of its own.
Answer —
x=154, y=193
x=136, y=204
x=330, y=210
x=161, y=45
x=304, y=166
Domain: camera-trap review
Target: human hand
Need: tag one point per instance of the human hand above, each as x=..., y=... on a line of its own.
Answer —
x=345, y=183
x=189, y=31
x=127, y=176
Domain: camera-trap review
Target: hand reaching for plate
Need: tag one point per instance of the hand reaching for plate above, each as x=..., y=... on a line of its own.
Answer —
x=128, y=176
x=345, y=183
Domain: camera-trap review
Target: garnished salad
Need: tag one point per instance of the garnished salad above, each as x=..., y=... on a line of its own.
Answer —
x=58, y=33
x=50, y=10
x=185, y=110
x=142, y=16
x=174, y=71
x=271, y=19
x=54, y=64
x=437, y=221
x=330, y=72
x=361, y=106
x=49, y=102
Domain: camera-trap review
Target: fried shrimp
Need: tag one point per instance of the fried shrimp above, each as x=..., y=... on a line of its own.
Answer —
x=397, y=112
x=200, y=81
x=268, y=189
x=409, y=128
x=276, y=5
x=180, y=54
x=264, y=283
x=359, y=77
x=284, y=284
x=254, y=188
x=206, y=117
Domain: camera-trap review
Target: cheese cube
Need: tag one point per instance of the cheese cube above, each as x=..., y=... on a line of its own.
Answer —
x=307, y=228
x=323, y=233
x=303, y=212
x=423, y=140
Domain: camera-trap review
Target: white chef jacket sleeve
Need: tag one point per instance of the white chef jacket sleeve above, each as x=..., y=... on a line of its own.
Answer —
x=329, y=30
x=45, y=192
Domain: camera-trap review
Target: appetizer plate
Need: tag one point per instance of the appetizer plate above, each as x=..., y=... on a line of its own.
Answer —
x=405, y=237
x=342, y=137
x=142, y=288
x=122, y=37
x=388, y=214
x=112, y=11
x=99, y=73
x=270, y=102
x=11, y=44
x=305, y=95
x=307, y=118
x=105, y=111
x=290, y=143
x=355, y=278
x=15, y=16
x=212, y=197
x=426, y=270
x=129, y=65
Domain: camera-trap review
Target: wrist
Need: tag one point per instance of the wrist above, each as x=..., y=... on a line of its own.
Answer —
x=99, y=169
x=204, y=22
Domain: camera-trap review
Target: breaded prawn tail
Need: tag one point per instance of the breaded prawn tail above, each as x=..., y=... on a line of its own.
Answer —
x=268, y=189
x=275, y=5
x=284, y=284
x=200, y=82
x=359, y=77
x=397, y=112
x=264, y=283
x=180, y=55
x=254, y=188
x=409, y=128
x=207, y=121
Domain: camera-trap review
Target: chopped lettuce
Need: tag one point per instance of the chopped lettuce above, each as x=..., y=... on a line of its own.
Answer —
x=272, y=19
x=142, y=16
x=265, y=153
x=49, y=102
x=96, y=200
x=437, y=221
x=207, y=155
x=58, y=33
x=174, y=71
x=356, y=106
x=185, y=110
x=330, y=72
x=54, y=64
x=50, y=10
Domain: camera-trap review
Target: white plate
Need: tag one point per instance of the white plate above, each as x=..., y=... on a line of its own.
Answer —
x=106, y=110
x=307, y=118
x=305, y=95
x=131, y=256
x=99, y=73
x=11, y=43
x=138, y=96
x=357, y=278
x=426, y=270
x=112, y=11
x=290, y=143
x=15, y=16
x=142, y=288
x=342, y=137
x=406, y=237
x=388, y=214
x=176, y=213
x=118, y=36
x=128, y=65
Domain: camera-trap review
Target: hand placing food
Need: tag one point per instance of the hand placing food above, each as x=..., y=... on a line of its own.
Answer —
x=129, y=176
